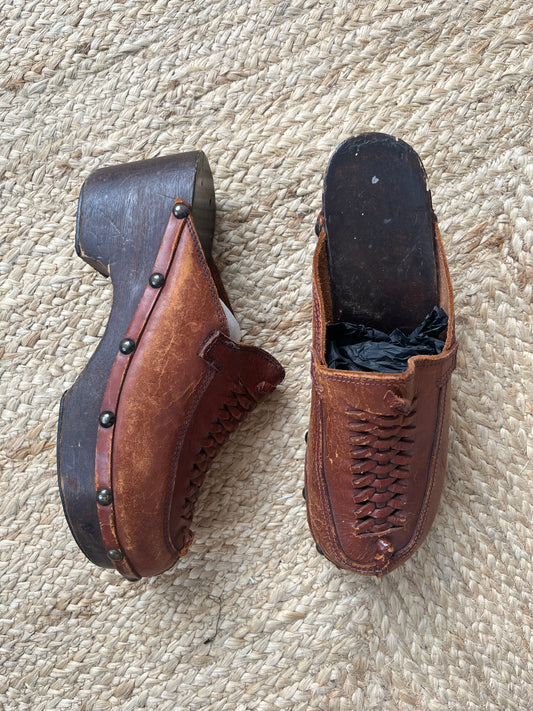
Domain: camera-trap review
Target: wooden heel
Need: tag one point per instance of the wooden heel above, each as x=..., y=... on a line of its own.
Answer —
x=119, y=203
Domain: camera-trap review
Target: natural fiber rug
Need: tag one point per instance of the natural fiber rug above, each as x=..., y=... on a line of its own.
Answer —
x=253, y=618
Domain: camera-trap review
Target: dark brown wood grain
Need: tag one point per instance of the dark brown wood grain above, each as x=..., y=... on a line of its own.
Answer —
x=122, y=214
x=380, y=237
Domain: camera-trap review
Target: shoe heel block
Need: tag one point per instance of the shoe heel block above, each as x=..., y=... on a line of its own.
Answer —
x=119, y=203
x=123, y=211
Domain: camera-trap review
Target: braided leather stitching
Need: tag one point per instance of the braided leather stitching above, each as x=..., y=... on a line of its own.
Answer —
x=238, y=403
x=381, y=449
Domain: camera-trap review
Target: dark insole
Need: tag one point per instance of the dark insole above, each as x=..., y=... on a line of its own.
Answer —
x=122, y=215
x=380, y=235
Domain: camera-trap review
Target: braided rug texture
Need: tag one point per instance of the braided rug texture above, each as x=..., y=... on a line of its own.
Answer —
x=253, y=618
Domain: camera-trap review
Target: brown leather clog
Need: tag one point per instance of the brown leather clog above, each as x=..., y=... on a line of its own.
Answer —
x=377, y=441
x=168, y=383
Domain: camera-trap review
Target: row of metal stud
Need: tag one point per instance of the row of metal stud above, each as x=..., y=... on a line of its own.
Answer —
x=126, y=346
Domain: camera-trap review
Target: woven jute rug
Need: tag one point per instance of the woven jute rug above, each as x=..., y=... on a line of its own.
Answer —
x=253, y=619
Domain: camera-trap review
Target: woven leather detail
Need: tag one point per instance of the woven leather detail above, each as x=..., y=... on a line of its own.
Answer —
x=381, y=450
x=238, y=403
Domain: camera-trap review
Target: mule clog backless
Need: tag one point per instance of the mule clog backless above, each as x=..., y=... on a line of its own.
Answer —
x=169, y=380
x=377, y=441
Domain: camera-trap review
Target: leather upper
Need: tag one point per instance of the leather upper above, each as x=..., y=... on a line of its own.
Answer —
x=377, y=443
x=176, y=398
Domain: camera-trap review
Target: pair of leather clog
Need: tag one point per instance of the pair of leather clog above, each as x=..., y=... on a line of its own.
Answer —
x=171, y=380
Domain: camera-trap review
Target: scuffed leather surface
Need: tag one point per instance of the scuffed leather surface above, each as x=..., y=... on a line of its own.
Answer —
x=343, y=402
x=179, y=378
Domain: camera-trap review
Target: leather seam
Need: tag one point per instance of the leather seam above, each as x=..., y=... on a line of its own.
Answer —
x=355, y=380
x=325, y=501
x=209, y=277
x=441, y=407
x=400, y=379
x=206, y=381
x=236, y=345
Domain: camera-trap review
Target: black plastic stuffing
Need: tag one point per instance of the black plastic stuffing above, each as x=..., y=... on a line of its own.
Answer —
x=355, y=347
